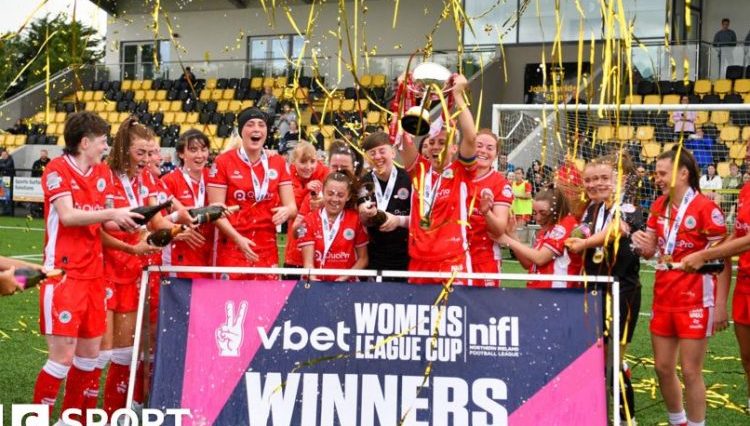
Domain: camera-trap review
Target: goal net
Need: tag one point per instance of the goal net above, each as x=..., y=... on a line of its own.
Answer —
x=561, y=138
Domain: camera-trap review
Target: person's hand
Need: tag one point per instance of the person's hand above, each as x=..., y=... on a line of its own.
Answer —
x=575, y=245
x=280, y=214
x=485, y=203
x=316, y=202
x=183, y=217
x=391, y=223
x=692, y=262
x=8, y=283
x=124, y=218
x=142, y=248
x=315, y=186
x=643, y=239
x=721, y=319
x=368, y=210
x=460, y=83
x=194, y=239
x=246, y=247
x=624, y=228
x=229, y=334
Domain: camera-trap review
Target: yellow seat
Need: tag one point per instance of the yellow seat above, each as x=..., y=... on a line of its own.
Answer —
x=175, y=106
x=738, y=151
x=150, y=95
x=625, y=133
x=210, y=84
x=180, y=117
x=256, y=83
x=216, y=144
x=745, y=133
x=746, y=98
x=98, y=95
x=347, y=105
x=729, y=134
x=228, y=94
x=222, y=106
x=110, y=106
x=217, y=94
x=147, y=84
x=328, y=131
x=51, y=129
x=702, y=87
x=280, y=81
x=102, y=115
x=668, y=146
x=278, y=93
x=153, y=107
x=210, y=130
x=123, y=116
x=670, y=99
x=192, y=118
x=268, y=82
x=205, y=95
x=362, y=104
x=722, y=169
x=742, y=86
x=604, y=133
x=235, y=106
x=100, y=106
x=633, y=99
x=301, y=94
x=652, y=100
x=247, y=103
x=722, y=87
x=60, y=117
x=719, y=118
x=169, y=117
x=378, y=80
x=366, y=80
x=112, y=117
x=126, y=85
x=139, y=95
x=645, y=133
x=700, y=119
x=373, y=117
x=161, y=95
x=650, y=150
x=137, y=85
x=90, y=106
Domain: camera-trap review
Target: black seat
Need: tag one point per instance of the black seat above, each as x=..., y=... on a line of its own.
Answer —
x=711, y=99
x=734, y=72
x=682, y=88
x=233, y=83
x=222, y=83
x=665, y=87
x=733, y=98
x=244, y=83
x=224, y=131
x=645, y=87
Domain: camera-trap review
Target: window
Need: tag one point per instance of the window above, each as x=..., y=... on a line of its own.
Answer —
x=269, y=55
x=487, y=17
x=137, y=58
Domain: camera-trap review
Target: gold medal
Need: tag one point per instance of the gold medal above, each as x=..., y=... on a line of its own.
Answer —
x=667, y=258
x=425, y=223
x=598, y=256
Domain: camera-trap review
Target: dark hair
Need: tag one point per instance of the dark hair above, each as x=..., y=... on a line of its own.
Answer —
x=347, y=177
x=558, y=202
x=686, y=160
x=724, y=20
x=340, y=147
x=79, y=125
x=191, y=137
x=375, y=140
x=119, y=157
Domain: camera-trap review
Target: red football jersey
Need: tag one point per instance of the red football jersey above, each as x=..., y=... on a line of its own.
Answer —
x=702, y=225
x=342, y=253
x=446, y=236
x=293, y=255
x=563, y=262
x=741, y=228
x=230, y=172
x=75, y=249
x=482, y=247
x=179, y=253
x=121, y=267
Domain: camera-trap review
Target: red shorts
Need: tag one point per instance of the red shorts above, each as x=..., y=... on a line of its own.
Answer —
x=123, y=298
x=485, y=266
x=692, y=324
x=230, y=255
x=454, y=264
x=72, y=307
x=741, y=308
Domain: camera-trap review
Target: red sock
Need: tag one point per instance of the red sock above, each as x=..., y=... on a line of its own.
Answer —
x=79, y=384
x=48, y=383
x=116, y=387
x=91, y=396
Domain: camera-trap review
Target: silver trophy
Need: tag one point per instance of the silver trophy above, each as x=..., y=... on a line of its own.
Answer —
x=416, y=120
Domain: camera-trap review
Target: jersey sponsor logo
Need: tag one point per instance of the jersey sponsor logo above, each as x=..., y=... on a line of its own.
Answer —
x=88, y=207
x=236, y=175
x=690, y=222
x=717, y=218
x=741, y=226
x=685, y=244
x=443, y=193
x=241, y=195
x=101, y=185
x=557, y=232
x=348, y=234
x=696, y=313
x=507, y=191
x=448, y=173
x=339, y=255
x=402, y=194
x=65, y=317
x=273, y=174
x=53, y=181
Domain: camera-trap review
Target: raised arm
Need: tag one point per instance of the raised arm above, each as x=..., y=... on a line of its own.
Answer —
x=468, y=146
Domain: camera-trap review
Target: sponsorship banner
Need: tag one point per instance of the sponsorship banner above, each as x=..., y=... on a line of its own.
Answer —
x=28, y=189
x=5, y=187
x=293, y=353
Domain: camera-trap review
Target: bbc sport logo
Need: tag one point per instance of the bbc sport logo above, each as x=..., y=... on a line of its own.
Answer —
x=39, y=415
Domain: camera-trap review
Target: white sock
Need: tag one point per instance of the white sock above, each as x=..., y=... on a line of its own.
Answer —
x=700, y=423
x=677, y=418
x=55, y=369
x=103, y=360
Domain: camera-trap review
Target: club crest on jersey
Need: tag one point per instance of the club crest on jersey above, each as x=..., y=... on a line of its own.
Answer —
x=448, y=173
x=144, y=191
x=213, y=171
x=507, y=191
x=273, y=174
x=301, y=231
x=717, y=217
x=402, y=194
x=348, y=234
x=101, y=185
x=108, y=293
x=557, y=232
x=690, y=222
x=65, y=317
x=53, y=181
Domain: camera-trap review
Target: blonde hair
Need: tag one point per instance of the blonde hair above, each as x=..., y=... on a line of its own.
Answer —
x=304, y=151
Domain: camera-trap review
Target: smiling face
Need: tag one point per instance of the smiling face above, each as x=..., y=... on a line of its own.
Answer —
x=435, y=147
x=254, y=134
x=195, y=155
x=154, y=159
x=341, y=162
x=542, y=212
x=305, y=166
x=663, y=176
x=598, y=181
x=381, y=157
x=486, y=151
x=335, y=196
x=139, y=149
x=93, y=148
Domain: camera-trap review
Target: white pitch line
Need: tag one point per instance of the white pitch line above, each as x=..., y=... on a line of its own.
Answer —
x=22, y=227
x=28, y=256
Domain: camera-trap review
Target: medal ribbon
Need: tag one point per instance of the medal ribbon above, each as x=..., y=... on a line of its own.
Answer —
x=381, y=197
x=430, y=191
x=329, y=233
x=670, y=235
x=260, y=189
x=127, y=186
x=200, y=200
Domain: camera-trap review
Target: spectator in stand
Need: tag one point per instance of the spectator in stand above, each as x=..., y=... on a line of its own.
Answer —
x=7, y=166
x=285, y=120
x=37, y=169
x=521, y=206
x=187, y=77
x=734, y=179
x=684, y=121
x=729, y=183
x=502, y=164
x=536, y=167
x=711, y=182
x=538, y=183
x=702, y=148
x=290, y=139
x=725, y=40
x=268, y=102
x=20, y=128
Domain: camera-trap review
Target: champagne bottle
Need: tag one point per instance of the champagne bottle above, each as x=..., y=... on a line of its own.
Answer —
x=211, y=213
x=28, y=277
x=150, y=211
x=365, y=197
x=712, y=267
x=163, y=237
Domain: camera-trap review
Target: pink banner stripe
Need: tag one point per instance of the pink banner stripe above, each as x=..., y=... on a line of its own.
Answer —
x=223, y=338
x=576, y=396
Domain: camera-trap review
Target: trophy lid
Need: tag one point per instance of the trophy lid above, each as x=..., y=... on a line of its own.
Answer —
x=430, y=72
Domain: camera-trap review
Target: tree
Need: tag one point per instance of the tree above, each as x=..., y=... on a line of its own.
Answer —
x=66, y=43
